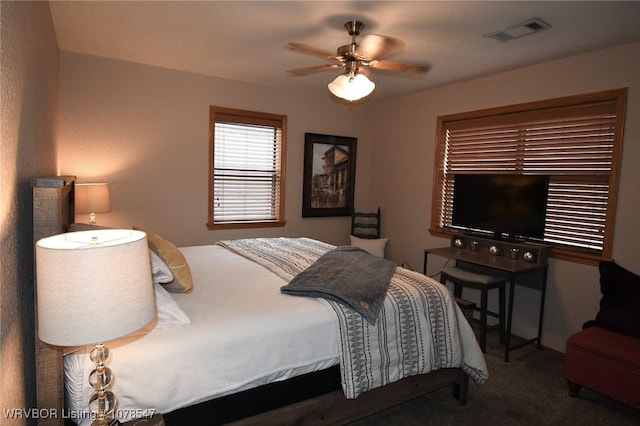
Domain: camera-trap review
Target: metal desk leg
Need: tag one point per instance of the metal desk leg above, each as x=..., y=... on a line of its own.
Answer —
x=483, y=319
x=424, y=266
x=501, y=309
x=543, y=294
x=507, y=343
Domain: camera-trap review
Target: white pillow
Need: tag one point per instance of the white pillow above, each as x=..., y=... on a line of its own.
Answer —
x=375, y=246
x=169, y=313
x=160, y=271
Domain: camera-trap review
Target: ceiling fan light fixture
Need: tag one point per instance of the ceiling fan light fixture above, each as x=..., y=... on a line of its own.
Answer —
x=351, y=87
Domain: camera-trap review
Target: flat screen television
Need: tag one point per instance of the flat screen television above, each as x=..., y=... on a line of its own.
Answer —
x=505, y=206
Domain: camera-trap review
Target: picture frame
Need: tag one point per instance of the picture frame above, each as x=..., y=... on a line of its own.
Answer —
x=329, y=175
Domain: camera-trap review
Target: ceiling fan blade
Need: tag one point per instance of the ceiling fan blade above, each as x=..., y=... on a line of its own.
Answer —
x=398, y=67
x=310, y=50
x=377, y=47
x=313, y=70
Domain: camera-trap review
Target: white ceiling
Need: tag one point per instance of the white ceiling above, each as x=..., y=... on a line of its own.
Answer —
x=247, y=40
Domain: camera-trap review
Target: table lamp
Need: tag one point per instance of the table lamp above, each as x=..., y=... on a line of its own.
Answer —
x=92, y=198
x=93, y=287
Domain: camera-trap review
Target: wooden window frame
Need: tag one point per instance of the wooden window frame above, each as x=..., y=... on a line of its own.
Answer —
x=543, y=110
x=238, y=116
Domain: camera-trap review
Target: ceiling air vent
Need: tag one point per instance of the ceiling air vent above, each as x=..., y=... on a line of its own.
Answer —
x=523, y=29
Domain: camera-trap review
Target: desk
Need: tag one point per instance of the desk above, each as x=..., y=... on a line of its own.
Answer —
x=515, y=268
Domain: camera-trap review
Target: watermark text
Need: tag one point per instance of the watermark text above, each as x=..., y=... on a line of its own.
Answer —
x=54, y=413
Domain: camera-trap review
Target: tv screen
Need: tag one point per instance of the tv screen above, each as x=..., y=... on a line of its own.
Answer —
x=511, y=206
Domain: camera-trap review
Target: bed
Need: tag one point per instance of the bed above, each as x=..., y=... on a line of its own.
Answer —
x=236, y=348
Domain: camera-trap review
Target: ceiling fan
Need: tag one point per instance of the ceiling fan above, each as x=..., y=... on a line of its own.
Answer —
x=369, y=53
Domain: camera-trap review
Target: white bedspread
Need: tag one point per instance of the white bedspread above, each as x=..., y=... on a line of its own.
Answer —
x=243, y=333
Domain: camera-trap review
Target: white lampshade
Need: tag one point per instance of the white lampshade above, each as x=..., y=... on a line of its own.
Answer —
x=92, y=198
x=93, y=286
x=351, y=88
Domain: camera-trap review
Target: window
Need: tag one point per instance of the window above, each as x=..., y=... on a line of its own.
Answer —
x=246, y=169
x=576, y=141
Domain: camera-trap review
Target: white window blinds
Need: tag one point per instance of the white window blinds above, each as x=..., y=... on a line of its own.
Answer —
x=246, y=172
x=247, y=176
x=577, y=145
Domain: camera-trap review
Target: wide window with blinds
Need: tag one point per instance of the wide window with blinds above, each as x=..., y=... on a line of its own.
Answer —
x=576, y=141
x=246, y=171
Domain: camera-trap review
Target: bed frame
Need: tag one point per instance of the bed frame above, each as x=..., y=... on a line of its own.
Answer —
x=53, y=211
x=314, y=398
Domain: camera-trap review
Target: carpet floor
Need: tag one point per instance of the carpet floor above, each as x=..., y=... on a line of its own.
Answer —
x=528, y=390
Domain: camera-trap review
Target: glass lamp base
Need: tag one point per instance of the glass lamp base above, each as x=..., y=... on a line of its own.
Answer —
x=103, y=402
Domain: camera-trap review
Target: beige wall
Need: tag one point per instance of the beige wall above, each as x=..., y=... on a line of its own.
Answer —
x=145, y=131
x=404, y=145
x=29, y=96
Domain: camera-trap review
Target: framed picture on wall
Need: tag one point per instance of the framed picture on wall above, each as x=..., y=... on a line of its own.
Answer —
x=329, y=175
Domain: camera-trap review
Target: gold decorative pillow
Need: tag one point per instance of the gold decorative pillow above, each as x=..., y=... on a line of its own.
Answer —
x=175, y=260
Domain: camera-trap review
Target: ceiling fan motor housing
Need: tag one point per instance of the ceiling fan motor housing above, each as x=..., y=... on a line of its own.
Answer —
x=352, y=67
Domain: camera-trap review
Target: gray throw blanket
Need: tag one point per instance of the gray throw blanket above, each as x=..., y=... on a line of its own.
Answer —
x=346, y=275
